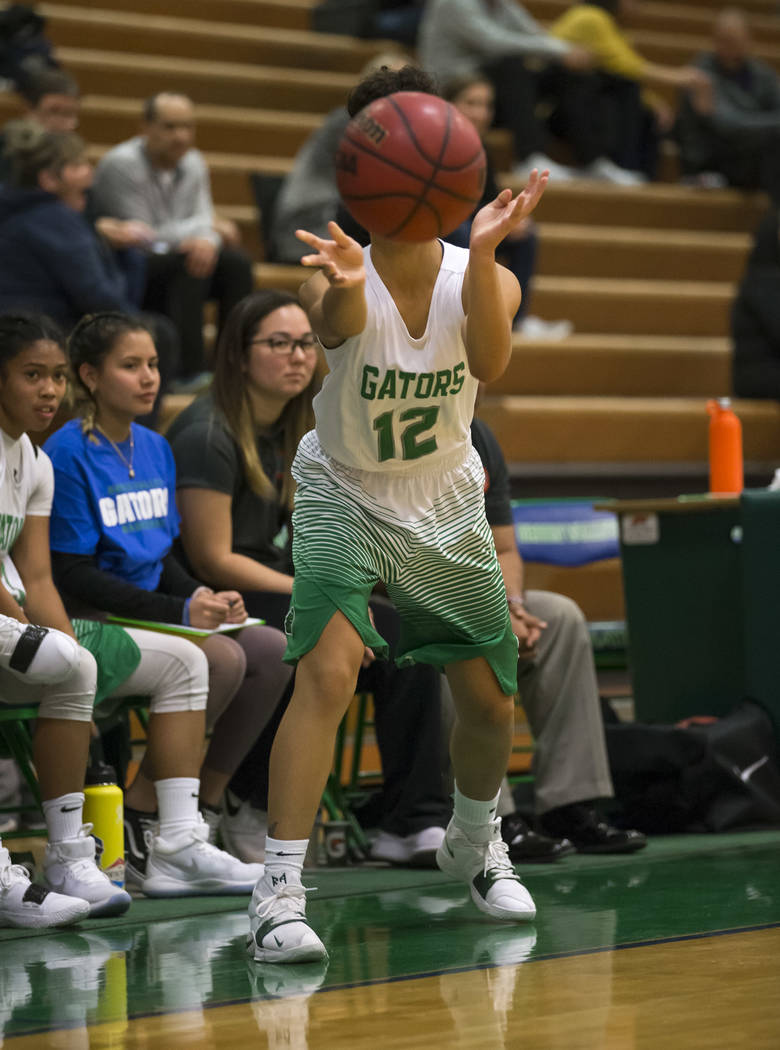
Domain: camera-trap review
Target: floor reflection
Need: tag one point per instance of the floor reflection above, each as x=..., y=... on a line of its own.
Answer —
x=86, y=987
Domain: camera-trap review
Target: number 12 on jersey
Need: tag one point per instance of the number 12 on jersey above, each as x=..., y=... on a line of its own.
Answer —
x=414, y=441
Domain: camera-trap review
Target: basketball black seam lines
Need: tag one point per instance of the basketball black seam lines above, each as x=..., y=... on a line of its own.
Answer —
x=405, y=171
x=435, y=165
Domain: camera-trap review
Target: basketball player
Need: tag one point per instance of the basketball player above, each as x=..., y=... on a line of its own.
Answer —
x=390, y=489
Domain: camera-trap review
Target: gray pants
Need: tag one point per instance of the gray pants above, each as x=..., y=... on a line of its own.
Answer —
x=559, y=693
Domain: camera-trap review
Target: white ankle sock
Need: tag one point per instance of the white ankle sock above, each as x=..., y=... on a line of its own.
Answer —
x=284, y=860
x=177, y=803
x=64, y=816
x=470, y=813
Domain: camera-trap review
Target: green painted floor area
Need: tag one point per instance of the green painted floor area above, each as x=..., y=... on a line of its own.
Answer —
x=382, y=924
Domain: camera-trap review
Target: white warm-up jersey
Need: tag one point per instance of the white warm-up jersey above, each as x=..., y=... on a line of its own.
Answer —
x=393, y=403
x=26, y=489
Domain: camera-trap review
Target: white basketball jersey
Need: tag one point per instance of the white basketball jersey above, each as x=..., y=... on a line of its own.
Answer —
x=393, y=403
x=26, y=490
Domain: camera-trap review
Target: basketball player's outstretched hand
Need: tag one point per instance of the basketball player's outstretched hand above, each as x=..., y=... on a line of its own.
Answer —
x=340, y=259
x=504, y=214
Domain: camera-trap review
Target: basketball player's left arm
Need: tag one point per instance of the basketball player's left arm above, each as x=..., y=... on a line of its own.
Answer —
x=43, y=604
x=491, y=296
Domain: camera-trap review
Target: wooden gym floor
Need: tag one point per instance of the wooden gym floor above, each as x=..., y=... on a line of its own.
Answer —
x=673, y=948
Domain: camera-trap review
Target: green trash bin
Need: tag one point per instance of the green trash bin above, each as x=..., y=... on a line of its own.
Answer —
x=702, y=587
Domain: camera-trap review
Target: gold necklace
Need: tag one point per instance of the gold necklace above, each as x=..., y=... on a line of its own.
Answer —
x=117, y=449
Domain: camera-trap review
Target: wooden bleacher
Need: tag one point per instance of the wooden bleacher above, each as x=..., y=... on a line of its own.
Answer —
x=647, y=275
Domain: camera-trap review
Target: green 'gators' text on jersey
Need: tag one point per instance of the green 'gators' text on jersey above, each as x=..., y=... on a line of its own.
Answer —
x=392, y=402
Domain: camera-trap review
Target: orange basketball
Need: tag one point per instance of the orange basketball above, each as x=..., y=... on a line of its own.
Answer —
x=410, y=167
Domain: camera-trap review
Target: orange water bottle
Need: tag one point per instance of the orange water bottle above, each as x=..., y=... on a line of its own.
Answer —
x=725, y=446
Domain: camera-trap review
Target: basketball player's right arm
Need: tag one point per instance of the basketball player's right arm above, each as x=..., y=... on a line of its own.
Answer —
x=334, y=298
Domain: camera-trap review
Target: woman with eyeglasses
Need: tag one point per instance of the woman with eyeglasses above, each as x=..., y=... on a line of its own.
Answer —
x=233, y=448
x=114, y=522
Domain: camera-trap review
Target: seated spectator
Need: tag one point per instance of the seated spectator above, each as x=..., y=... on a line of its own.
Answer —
x=50, y=257
x=160, y=179
x=733, y=135
x=635, y=118
x=113, y=524
x=755, y=317
x=309, y=197
x=42, y=665
x=559, y=692
x=234, y=447
x=51, y=97
x=473, y=95
x=527, y=66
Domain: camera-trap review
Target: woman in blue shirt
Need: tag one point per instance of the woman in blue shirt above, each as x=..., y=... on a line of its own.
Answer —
x=113, y=523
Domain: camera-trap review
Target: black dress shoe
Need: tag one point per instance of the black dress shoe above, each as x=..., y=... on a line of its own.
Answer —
x=527, y=846
x=588, y=831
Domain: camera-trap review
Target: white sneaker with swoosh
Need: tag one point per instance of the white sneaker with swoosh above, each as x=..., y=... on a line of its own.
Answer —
x=25, y=905
x=70, y=867
x=483, y=864
x=278, y=930
x=187, y=865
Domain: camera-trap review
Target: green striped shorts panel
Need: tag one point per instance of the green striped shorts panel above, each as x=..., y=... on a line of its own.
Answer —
x=440, y=571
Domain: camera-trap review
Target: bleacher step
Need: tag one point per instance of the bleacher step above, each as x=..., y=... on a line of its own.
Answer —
x=588, y=430
x=618, y=365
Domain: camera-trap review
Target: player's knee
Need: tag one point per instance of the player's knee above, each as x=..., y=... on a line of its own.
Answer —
x=73, y=698
x=494, y=712
x=332, y=674
x=183, y=683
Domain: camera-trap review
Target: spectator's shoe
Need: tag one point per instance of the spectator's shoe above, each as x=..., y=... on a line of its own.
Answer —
x=186, y=865
x=25, y=905
x=140, y=829
x=529, y=847
x=36, y=654
x=278, y=930
x=212, y=818
x=484, y=865
x=607, y=171
x=588, y=831
x=534, y=328
x=417, y=850
x=540, y=161
x=70, y=867
x=707, y=180
x=244, y=828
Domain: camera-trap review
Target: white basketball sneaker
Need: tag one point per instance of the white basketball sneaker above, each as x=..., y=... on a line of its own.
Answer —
x=24, y=904
x=278, y=930
x=187, y=865
x=244, y=828
x=484, y=865
x=70, y=867
x=36, y=654
x=417, y=850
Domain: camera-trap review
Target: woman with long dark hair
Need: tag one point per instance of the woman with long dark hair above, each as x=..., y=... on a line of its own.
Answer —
x=113, y=526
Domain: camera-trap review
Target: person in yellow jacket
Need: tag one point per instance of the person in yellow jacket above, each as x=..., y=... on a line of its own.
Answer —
x=636, y=115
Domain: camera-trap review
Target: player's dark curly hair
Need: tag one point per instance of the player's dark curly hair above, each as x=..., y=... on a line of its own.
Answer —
x=387, y=81
x=21, y=329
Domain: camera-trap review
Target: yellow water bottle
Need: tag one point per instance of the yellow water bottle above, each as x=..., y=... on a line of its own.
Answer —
x=104, y=811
